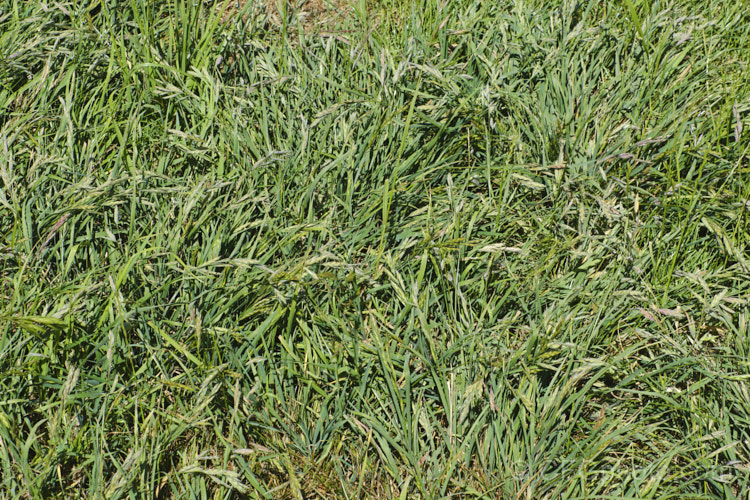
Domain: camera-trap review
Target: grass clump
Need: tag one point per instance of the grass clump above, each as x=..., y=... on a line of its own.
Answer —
x=489, y=250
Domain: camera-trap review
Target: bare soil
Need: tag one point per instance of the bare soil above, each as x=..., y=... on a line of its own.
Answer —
x=315, y=16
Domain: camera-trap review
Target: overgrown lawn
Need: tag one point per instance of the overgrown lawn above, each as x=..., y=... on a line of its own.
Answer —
x=419, y=249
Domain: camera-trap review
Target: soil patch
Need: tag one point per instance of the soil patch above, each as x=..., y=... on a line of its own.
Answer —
x=315, y=16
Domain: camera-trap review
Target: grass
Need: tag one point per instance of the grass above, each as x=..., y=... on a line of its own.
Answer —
x=437, y=249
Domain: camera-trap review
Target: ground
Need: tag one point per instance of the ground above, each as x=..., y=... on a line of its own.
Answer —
x=315, y=15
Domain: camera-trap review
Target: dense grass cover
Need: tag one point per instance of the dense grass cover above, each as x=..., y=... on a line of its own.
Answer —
x=482, y=249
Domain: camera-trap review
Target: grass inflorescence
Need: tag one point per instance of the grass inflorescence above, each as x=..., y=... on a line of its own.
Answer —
x=382, y=249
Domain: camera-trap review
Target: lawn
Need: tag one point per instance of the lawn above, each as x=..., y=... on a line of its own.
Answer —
x=382, y=249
